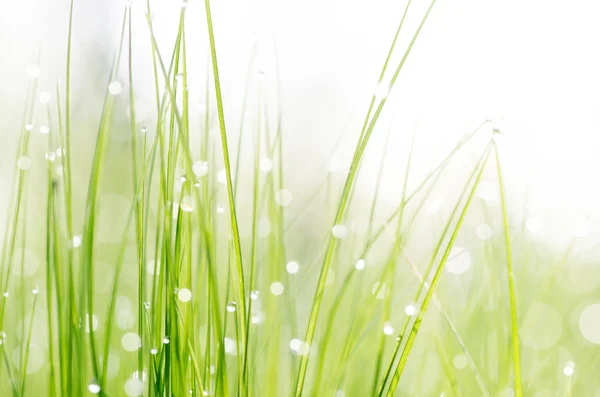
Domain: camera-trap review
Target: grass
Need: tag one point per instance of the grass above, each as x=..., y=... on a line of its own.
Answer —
x=210, y=282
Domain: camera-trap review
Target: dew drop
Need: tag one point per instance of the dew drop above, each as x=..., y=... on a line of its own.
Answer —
x=411, y=309
x=435, y=205
x=569, y=369
x=115, y=88
x=283, y=197
x=382, y=91
x=299, y=347
x=231, y=306
x=131, y=341
x=387, y=328
x=484, y=232
x=144, y=129
x=187, y=204
x=154, y=351
x=94, y=388
x=134, y=387
x=277, y=288
x=220, y=209
x=166, y=340
x=222, y=177
x=28, y=127
x=292, y=267
x=24, y=163
x=459, y=260
x=254, y=295
x=488, y=192
x=340, y=231
x=147, y=305
x=184, y=295
x=266, y=164
x=360, y=264
x=76, y=241
x=200, y=168
x=153, y=267
x=44, y=129
x=534, y=226
x=230, y=346
x=258, y=318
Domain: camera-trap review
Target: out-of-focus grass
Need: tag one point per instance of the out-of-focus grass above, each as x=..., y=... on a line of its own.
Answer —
x=181, y=277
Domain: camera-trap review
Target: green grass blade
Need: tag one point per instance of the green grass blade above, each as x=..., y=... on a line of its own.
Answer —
x=516, y=352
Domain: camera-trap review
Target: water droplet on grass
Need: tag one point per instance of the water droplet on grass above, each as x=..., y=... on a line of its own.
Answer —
x=387, y=328
x=184, y=295
x=24, y=163
x=94, y=388
x=283, y=197
x=222, y=177
x=254, y=295
x=76, y=242
x=459, y=260
x=154, y=351
x=131, y=341
x=534, y=226
x=134, y=387
x=187, y=204
x=276, y=288
x=115, y=88
x=231, y=306
x=381, y=91
x=292, y=267
x=484, y=231
x=340, y=231
x=569, y=369
x=411, y=309
x=266, y=164
x=200, y=168
x=166, y=340
x=44, y=129
x=360, y=264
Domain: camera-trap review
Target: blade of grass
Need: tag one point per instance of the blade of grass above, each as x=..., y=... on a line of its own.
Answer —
x=341, y=211
x=516, y=352
x=399, y=367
